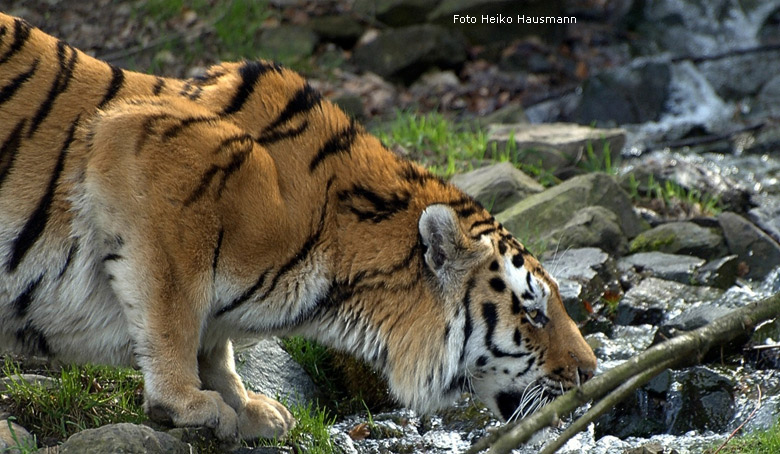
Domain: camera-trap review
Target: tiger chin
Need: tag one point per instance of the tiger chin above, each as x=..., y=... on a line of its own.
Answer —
x=153, y=222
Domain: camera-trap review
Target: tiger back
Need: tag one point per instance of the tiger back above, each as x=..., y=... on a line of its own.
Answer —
x=154, y=222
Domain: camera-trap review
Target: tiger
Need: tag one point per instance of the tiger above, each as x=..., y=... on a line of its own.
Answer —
x=157, y=222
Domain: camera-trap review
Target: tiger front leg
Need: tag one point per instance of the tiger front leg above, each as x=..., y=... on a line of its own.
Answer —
x=165, y=313
x=172, y=387
x=258, y=416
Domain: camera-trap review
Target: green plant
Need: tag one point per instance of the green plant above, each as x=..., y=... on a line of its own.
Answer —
x=435, y=142
x=311, y=433
x=758, y=442
x=25, y=446
x=592, y=162
x=85, y=397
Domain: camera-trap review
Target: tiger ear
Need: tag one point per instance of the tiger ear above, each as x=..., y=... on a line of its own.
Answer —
x=448, y=252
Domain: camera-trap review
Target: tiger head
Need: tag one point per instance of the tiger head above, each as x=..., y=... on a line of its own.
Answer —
x=516, y=348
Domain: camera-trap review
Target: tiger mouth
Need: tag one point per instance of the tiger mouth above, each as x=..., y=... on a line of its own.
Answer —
x=514, y=405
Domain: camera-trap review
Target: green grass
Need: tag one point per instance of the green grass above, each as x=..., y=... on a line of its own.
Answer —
x=85, y=397
x=311, y=433
x=670, y=194
x=758, y=442
x=435, y=142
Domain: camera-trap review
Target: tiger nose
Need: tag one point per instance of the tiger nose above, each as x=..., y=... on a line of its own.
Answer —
x=584, y=374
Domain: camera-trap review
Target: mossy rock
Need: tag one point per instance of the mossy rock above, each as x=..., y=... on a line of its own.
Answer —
x=684, y=238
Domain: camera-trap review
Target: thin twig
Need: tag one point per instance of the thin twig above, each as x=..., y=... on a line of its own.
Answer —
x=612, y=399
x=750, y=416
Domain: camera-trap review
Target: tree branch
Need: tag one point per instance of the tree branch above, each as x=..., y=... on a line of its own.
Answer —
x=689, y=347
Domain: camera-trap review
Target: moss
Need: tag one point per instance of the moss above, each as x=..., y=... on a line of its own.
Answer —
x=649, y=243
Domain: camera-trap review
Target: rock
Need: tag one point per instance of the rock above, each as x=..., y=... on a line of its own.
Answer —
x=705, y=401
x=341, y=29
x=391, y=56
x=629, y=94
x=508, y=114
x=554, y=146
x=720, y=273
x=768, y=99
x=684, y=238
x=688, y=320
x=754, y=247
x=15, y=439
x=497, y=186
x=125, y=438
x=481, y=31
x=593, y=226
x=553, y=208
x=33, y=379
x=288, y=42
x=679, y=268
x=396, y=13
x=582, y=275
x=267, y=450
x=351, y=104
x=655, y=300
x=730, y=79
x=689, y=174
x=268, y=369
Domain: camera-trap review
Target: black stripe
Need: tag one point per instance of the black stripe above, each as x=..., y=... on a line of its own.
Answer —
x=176, y=129
x=112, y=257
x=304, y=100
x=22, y=302
x=307, y=246
x=10, y=149
x=32, y=340
x=117, y=80
x=60, y=84
x=467, y=325
x=8, y=91
x=21, y=34
x=36, y=223
x=250, y=72
x=341, y=142
x=159, y=84
x=217, y=249
x=244, y=296
x=268, y=137
x=74, y=248
x=383, y=207
x=3, y=31
x=235, y=163
x=490, y=315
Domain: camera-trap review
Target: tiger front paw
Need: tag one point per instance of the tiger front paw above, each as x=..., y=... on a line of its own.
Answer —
x=198, y=408
x=263, y=417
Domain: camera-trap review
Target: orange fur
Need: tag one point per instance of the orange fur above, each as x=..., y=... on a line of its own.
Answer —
x=176, y=216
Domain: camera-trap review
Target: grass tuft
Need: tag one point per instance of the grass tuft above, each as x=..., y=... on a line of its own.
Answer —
x=85, y=397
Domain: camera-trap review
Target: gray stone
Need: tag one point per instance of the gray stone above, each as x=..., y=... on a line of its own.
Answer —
x=655, y=300
x=685, y=172
x=754, y=247
x=583, y=275
x=123, y=438
x=33, y=379
x=341, y=29
x=552, y=209
x=497, y=186
x=593, y=226
x=485, y=33
x=630, y=94
x=15, y=439
x=396, y=13
x=554, y=146
x=267, y=368
x=673, y=267
x=287, y=42
x=690, y=319
x=391, y=56
x=738, y=76
x=684, y=238
x=705, y=401
x=720, y=273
